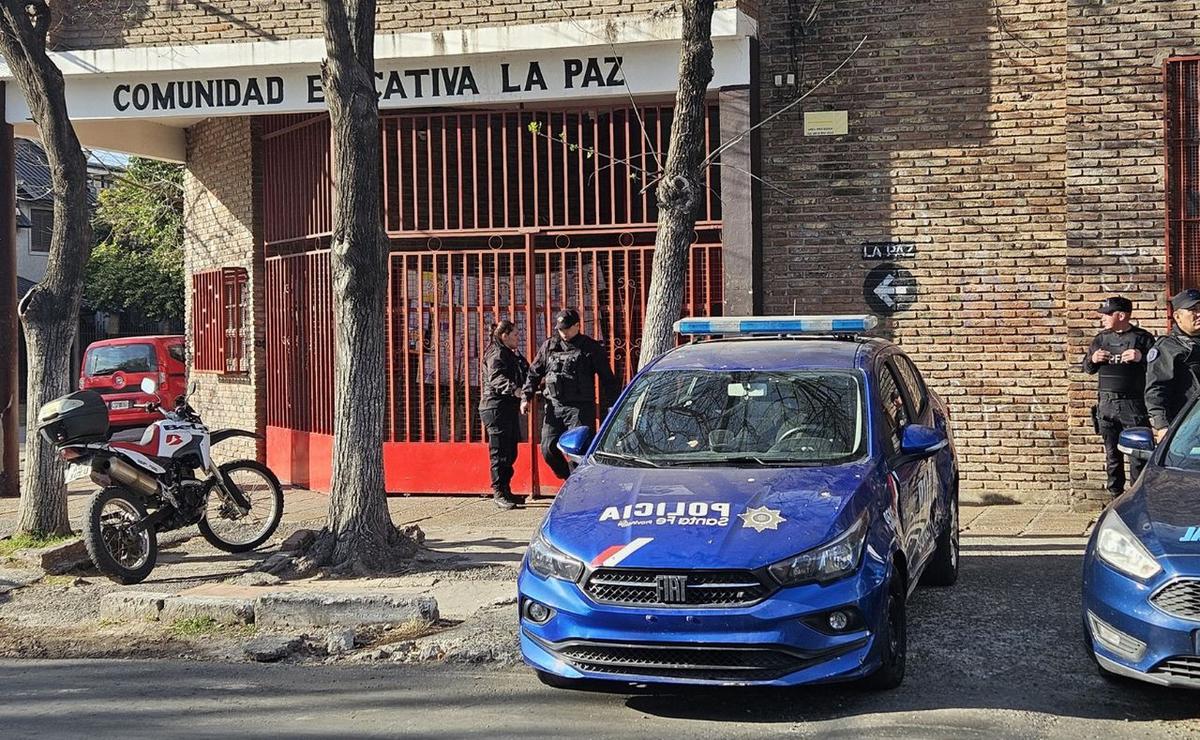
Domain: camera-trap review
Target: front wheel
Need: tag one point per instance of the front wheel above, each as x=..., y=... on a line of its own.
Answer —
x=118, y=548
x=893, y=641
x=224, y=525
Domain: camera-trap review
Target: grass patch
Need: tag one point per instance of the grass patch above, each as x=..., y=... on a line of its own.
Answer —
x=192, y=626
x=58, y=580
x=29, y=542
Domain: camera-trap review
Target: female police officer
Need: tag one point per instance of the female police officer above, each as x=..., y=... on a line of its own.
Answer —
x=499, y=409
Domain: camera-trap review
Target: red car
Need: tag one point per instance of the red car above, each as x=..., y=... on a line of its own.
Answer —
x=115, y=368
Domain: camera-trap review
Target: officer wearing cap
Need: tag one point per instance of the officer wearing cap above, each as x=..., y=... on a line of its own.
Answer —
x=1118, y=354
x=1173, y=365
x=566, y=368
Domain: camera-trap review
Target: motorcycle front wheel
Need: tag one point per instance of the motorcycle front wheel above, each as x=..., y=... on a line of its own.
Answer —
x=118, y=548
x=224, y=526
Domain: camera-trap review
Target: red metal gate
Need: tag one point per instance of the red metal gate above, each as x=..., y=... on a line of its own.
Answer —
x=490, y=218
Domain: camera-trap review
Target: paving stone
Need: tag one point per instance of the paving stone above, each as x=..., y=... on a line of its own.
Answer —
x=223, y=610
x=268, y=648
x=129, y=606
x=324, y=609
x=339, y=641
x=56, y=559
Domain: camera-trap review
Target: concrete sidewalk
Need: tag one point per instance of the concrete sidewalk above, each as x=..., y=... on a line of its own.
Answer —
x=473, y=523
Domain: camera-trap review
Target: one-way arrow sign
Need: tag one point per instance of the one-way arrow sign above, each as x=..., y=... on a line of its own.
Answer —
x=889, y=289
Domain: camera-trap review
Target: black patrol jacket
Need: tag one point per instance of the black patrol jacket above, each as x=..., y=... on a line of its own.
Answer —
x=1172, y=377
x=567, y=372
x=1124, y=378
x=504, y=376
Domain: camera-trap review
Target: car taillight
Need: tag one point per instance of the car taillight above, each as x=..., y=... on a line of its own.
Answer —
x=69, y=453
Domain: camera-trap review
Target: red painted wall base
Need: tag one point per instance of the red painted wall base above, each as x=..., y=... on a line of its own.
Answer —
x=304, y=459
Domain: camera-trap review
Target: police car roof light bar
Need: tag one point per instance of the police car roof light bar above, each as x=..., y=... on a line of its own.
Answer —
x=733, y=325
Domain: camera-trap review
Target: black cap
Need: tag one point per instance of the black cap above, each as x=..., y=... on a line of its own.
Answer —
x=1186, y=298
x=566, y=318
x=1114, y=304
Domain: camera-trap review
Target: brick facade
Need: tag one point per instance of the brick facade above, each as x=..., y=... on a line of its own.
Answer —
x=86, y=24
x=1017, y=143
x=220, y=189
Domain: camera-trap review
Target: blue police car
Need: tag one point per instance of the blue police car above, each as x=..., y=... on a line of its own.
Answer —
x=755, y=510
x=1141, y=575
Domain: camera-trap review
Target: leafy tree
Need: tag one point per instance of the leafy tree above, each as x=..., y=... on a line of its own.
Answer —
x=138, y=263
x=50, y=311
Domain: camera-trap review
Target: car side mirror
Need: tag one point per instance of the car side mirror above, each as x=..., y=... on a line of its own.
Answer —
x=1137, y=442
x=149, y=386
x=574, y=443
x=919, y=442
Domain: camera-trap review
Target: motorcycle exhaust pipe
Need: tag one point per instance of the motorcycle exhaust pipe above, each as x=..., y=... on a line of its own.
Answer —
x=128, y=476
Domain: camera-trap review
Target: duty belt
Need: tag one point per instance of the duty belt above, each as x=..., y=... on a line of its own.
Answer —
x=1119, y=396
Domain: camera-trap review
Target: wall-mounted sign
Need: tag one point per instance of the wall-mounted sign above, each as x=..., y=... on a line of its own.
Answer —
x=826, y=123
x=888, y=250
x=889, y=289
x=469, y=79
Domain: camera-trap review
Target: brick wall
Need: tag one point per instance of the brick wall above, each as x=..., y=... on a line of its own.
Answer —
x=94, y=24
x=1115, y=175
x=1019, y=144
x=220, y=188
x=956, y=144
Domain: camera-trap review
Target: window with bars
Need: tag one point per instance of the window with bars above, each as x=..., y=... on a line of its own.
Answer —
x=220, y=320
x=43, y=228
x=1182, y=78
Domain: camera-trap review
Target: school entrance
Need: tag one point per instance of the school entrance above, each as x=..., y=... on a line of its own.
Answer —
x=491, y=215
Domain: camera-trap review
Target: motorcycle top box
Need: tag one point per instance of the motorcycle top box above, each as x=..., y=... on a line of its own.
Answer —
x=78, y=417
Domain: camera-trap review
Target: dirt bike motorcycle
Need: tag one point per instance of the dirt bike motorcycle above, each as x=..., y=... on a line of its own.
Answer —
x=167, y=480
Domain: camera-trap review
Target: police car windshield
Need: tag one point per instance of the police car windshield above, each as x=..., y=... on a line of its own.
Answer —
x=1184, y=452
x=739, y=417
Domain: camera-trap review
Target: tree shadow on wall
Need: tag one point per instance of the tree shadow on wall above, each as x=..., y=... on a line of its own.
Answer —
x=99, y=24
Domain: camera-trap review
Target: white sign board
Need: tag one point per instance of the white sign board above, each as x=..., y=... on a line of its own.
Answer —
x=558, y=74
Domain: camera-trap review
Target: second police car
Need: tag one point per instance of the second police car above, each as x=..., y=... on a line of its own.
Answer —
x=754, y=510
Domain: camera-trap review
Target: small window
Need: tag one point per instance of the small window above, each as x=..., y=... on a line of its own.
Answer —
x=895, y=413
x=913, y=383
x=220, y=320
x=176, y=352
x=43, y=228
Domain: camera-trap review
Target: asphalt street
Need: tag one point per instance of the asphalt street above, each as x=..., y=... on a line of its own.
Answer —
x=999, y=655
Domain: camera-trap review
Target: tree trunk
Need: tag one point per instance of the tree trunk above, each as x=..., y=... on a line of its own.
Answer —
x=360, y=533
x=681, y=189
x=49, y=312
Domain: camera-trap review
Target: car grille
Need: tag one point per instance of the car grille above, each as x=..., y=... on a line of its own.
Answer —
x=634, y=587
x=700, y=663
x=1182, y=667
x=1180, y=599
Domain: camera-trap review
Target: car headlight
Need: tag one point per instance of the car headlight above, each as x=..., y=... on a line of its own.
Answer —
x=826, y=563
x=549, y=562
x=1117, y=546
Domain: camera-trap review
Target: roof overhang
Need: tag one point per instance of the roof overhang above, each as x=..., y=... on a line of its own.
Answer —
x=139, y=100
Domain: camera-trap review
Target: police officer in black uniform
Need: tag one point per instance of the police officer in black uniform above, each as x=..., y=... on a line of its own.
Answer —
x=1119, y=354
x=499, y=409
x=1173, y=364
x=566, y=367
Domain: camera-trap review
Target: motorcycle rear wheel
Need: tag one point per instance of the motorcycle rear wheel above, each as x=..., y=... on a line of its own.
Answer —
x=225, y=530
x=124, y=555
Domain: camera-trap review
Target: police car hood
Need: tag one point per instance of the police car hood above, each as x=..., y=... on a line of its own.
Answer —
x=1164, y=512
x=701, y=517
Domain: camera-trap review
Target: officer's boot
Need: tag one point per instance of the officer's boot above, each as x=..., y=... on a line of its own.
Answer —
x=503, y=501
